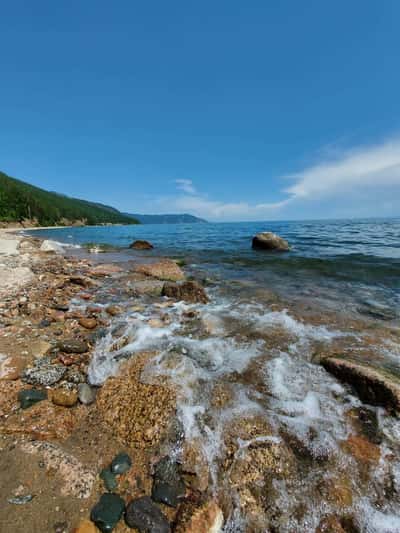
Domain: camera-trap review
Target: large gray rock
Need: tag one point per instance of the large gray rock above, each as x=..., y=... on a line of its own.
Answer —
x=52, y=246
x=270, y=241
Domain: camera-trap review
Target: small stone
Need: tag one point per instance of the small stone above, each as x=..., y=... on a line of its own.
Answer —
x=110, y=481
x=21, y=500
x=107, y=512
x=144, y=515
x=29, y=397
x=73, y=346
x=86, y=394
x=121, y=463
x=114, y=310
x=64, y=397
x=168, y=486
x=60, y=527
x=88, y=323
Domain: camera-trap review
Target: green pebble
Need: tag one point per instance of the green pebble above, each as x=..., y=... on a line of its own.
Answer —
x=29, y=397
x=110, y=481
x=121, y=463
x=107, y=512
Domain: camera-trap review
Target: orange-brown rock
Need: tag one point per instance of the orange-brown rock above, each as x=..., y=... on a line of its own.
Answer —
x=11, y=367
x=138, y=413
x=88, y=323
x=189, y=291
x=8, y=396
x=206, y=519
x=64, y=397
x=165, y=270
x=114, y=310
x=363, y=450
x=195, y=466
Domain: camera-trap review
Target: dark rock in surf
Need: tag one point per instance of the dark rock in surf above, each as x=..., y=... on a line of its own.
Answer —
x=270, y=241
x=141, y=245
x=375, y=386
x=189, y=291
x=168, y=487
x=107, y=512
x=73, y=346
x=145, y=516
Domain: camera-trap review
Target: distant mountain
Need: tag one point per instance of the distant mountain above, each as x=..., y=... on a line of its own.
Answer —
x=24, y=203
x=167, y=219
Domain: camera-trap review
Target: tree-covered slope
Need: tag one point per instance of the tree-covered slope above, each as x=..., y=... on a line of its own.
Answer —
x=21, y=201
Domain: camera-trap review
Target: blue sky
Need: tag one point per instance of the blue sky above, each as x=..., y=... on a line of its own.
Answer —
x=229, y=110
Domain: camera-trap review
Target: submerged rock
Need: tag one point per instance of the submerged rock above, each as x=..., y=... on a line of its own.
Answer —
x=141, y=245
x=374, y=386
x=43, y=373
x=114, y=310
x=110, y=481
x=107, y=512
x=11, y=367
x=73, y=346
x=270, y=241
x=138, y=413
x=121, y=463
x=165, y=269
x=86, y=394
x=145, y=516
x=189, y=291
x=29, y=397
x=168, y=487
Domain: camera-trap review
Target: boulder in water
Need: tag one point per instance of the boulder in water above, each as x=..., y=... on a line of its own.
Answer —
x=52, y=246
x=141, y=245
x=270, y=241
x=375, y=386
x=189, y=291
x=165, y=269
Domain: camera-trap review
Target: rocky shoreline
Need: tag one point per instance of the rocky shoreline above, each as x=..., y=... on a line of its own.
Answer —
x=80, y=448
x=56, y=436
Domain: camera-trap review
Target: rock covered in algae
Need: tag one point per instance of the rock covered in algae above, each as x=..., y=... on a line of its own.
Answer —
x=189, y=291
x=107, y=512
x=138, y=413
x=29, y=397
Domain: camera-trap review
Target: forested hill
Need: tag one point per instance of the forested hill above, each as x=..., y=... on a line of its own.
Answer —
x=20, y=201
x=167, y=219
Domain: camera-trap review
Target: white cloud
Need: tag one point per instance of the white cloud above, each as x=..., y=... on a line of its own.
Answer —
x=355, y=169
x=185, y=186
x=353, y=172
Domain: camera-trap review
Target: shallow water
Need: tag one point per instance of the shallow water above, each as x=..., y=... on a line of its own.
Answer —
x=273, y=426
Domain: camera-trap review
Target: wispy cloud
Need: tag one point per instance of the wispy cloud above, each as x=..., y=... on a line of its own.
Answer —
x=339, y=175
x=377, y=165
x=185, y=186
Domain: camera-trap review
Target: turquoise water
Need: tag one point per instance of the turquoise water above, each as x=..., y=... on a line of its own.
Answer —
x=339, y=262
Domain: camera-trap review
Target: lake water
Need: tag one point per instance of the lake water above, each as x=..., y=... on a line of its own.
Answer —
x=288, y=447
